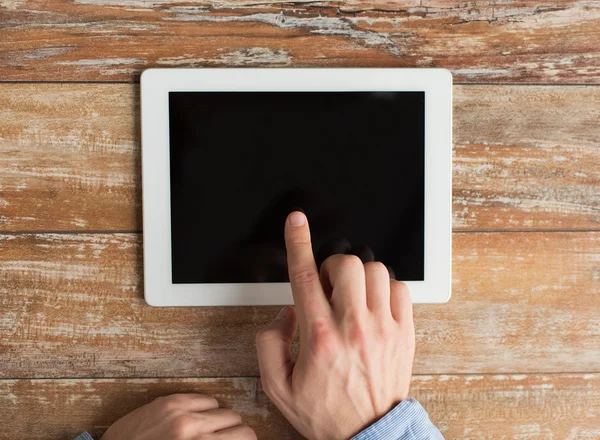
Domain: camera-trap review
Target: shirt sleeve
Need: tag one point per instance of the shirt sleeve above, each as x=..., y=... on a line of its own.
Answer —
x=84, y=436
x=406, y=421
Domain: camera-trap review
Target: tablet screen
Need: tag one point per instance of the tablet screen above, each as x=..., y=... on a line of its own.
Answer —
x=240, y=162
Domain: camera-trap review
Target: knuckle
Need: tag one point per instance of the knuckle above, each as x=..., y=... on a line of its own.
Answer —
x=355, y=317
x=181, y=427
x=400, y=287
x=247, y=433
x=265, y=335
x=303, y=276
x=332, y=260
x=323, y=338
x=320, y=329
x=387, y=332
x=167, y=403
x=358, y=337
x=377, y=268
x=350, y=262
x=232, y=415
x=214, y=402
x=299, y=240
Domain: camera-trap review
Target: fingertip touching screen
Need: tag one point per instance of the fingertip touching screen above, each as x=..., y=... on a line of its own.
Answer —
x=240, y=162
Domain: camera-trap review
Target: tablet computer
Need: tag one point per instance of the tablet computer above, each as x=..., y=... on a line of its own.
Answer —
x=228, y=153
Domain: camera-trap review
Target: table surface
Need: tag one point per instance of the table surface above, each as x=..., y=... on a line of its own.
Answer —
x=514, y=355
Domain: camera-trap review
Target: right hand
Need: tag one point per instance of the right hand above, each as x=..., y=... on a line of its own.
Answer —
x=181, y=417
x=356, y=342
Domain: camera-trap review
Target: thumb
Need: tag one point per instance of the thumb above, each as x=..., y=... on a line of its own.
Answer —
x=273, y=347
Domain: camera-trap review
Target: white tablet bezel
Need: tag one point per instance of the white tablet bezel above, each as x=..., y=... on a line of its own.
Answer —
x=155, y=87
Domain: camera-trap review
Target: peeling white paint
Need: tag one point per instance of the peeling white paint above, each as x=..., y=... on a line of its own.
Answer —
x=535, y=202
x=253, y=55
x=584, y=433
x=422, y=378
x=470, y=379
x=11, y=4
x=474, y=72
x=241, y=57
x=103, y=66
x=544, y=386
x=102, y=62
x=578, y=12
x=111, y=180
x=80, y=223
x=318, y=25
x=11, y=397
x=518, y=377
x=43, y=53
x=183, y=60
x=76, y=139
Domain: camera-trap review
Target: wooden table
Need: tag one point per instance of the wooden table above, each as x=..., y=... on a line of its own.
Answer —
x=515, y=354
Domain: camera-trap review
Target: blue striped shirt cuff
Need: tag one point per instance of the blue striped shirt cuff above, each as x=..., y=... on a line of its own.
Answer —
x=406, y=421
x=84, y=436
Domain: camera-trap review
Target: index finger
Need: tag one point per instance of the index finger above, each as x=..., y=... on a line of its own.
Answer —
x=307, y=290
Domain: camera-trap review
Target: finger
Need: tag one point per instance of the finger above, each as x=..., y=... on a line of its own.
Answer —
x=216, y=419
x=240, y=432
x=400, y=302
x=308, y=294
x=332, y=247
x=273, y=348
x=346, y=276
x=186, y=402
x=377, y=280
x=363, y=252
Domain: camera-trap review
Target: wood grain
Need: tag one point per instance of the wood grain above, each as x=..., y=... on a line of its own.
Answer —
x=526, y=157
x=63, y=409
x=524, y=407
x=480, y=41
x=465, y=407
x=69, y=157
x=76, y=333
x=72, y=307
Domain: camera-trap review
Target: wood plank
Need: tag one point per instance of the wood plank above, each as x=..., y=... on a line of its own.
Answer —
x=69, y=157
x=63, y=409
x=524, y=407
x=525, y=157
x=463, y=407
x=480, y=41
x=72, y=307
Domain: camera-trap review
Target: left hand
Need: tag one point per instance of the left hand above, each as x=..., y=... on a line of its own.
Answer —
x=181, y=417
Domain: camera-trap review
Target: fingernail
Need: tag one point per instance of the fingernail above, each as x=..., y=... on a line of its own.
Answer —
x=283, y=313
x=297, y=219
x=297, y=208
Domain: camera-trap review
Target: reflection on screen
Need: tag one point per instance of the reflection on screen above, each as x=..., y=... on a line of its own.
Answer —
x=241, y=161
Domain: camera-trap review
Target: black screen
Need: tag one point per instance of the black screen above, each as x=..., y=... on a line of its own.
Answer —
x=242, y=161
